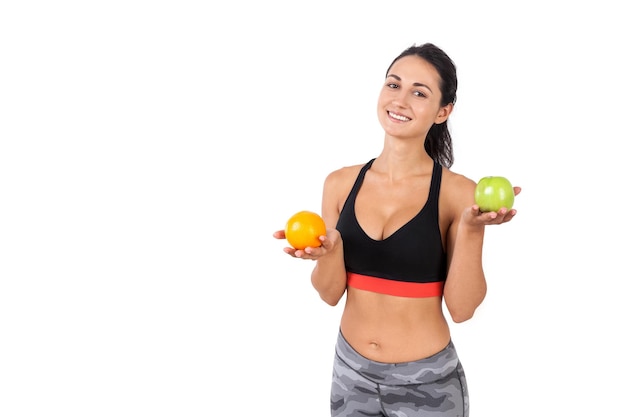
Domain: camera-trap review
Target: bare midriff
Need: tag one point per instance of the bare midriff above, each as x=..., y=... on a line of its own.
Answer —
x=390, y=329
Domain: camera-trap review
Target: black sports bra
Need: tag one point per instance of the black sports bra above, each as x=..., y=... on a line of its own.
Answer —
x=409, y=263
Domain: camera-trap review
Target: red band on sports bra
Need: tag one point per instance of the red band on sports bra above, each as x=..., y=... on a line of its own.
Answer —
x=397, y=288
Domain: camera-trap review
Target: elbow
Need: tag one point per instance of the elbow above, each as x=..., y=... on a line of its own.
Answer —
x=331, y=301
x=330, y=298
x=463, y=312
x=460, y=313
x=462, y=309
x=461, y=316
x=330, y=292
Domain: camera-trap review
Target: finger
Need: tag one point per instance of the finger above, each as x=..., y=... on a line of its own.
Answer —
x=489, y=216
x=326, y=243
x=510, y=215
x=303, y=254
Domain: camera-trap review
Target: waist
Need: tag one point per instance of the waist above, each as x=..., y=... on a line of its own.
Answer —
x=394, y=329
x=425, y=370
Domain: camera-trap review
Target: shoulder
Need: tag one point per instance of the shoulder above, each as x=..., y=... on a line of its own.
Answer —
x=456, y=181
x=344, y=176
x=337, y=186
x=457, y=190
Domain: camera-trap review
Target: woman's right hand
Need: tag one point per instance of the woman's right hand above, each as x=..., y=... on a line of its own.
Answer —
x=330, y=242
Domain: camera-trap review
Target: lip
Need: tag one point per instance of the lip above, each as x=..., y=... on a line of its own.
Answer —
x=398, y=117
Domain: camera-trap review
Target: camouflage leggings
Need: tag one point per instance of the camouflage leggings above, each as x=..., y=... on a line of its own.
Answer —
x=430, y=387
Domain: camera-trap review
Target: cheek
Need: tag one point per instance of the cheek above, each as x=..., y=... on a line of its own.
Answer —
x=382, y=99
x=427, y=112
x=381, y=105
x=382, y=115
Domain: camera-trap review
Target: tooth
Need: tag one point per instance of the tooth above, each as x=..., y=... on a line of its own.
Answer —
x=397, y=116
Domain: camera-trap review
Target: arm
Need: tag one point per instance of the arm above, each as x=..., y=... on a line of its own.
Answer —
x=466, y=285
x=329, y=273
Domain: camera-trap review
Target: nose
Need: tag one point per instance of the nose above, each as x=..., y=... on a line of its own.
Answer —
x=400, y=99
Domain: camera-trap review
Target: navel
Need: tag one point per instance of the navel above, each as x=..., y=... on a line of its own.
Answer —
x=374, y=345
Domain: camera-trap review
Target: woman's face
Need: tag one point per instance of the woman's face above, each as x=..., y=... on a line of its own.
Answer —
x=409, y=102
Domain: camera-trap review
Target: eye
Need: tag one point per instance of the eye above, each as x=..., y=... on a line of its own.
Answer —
x=393, y=85
x=419, y=93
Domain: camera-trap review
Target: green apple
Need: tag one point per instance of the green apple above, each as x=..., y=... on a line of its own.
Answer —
x=493, y=193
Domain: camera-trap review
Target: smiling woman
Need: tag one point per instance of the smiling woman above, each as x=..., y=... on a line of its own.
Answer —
x=403, y=234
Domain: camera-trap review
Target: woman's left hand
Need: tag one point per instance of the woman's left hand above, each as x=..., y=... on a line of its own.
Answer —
x=473, y=215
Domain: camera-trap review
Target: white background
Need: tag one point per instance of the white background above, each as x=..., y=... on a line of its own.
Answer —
x=149, y=149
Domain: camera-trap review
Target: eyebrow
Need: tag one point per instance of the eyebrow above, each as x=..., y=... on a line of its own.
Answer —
x=414, y=84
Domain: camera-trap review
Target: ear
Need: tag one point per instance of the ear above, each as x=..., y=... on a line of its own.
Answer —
x=444, y=113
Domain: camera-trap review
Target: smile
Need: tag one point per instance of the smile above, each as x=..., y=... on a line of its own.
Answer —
x=398, y=117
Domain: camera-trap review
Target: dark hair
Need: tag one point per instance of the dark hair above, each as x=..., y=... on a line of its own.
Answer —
x=438, y=142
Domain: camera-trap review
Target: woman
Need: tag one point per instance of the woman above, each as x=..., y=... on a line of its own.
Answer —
x=403, y=234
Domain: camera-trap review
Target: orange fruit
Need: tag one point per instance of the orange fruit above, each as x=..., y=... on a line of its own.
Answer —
x=304, y=228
